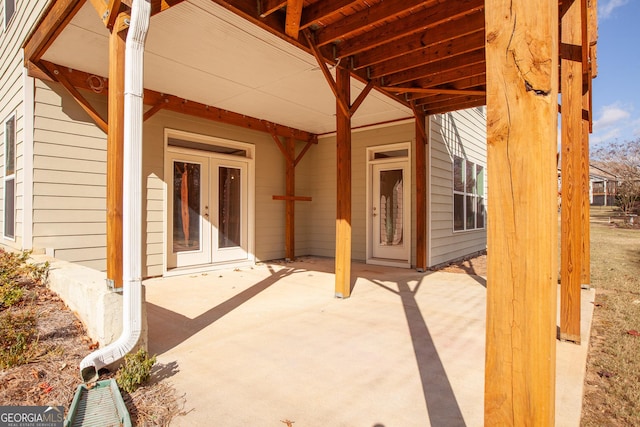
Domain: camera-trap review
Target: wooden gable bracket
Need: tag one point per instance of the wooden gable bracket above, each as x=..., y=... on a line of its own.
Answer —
x=55, y=73
x=347, y=108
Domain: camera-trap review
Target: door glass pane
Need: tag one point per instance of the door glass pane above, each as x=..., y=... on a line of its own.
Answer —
x=186, y=206
x=229, y=210
x=391, y=204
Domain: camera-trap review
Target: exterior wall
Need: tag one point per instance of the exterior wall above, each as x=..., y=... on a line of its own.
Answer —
x=461, y=133
x=69, y=178
x=322, y=237
x=12, y=102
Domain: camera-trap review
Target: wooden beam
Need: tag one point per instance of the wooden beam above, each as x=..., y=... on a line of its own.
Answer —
x=360, y=99
x=60, y=77
x=290, y=207
x=154, y=109
x=292, y=20
x=54, y=19
x=421, y=191
x=441, y=71
x=572, y=184
x=321, y=10
x=343, y=192
x=267, y=7
x=304, y=151
x=435, y=90
x=342, y=104
x=447, y=49
x=435, y=24
x=115, y=150
x=522, y=89
x=113, y=10
x=584, y=176
x=368, y=16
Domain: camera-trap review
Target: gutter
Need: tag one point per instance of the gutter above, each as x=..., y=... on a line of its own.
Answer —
x=131, y=198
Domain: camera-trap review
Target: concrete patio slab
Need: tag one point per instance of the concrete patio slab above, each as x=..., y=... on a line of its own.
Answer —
x=264, y=345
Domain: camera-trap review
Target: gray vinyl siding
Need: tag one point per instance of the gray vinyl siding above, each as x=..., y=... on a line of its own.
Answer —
x=12, y=102
x=69, y=178
x=322, y=238
x=461, y=133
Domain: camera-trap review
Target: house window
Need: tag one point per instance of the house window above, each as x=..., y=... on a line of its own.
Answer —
x=9, y=177
x=468, y=195
x=9, y=9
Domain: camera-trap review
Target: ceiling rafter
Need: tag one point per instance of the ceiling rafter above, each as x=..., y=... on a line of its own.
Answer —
x=316, y=12
x=449, y=48
x=377, y=13
x=415, y=41
x=454, y=20
x=441, y=66
x=294, y=15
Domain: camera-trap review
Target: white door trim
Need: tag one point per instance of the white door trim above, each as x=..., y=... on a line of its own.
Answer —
x=399, y=156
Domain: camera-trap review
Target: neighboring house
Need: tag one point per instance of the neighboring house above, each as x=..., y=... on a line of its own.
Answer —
x=602, y=187
x=210, y=194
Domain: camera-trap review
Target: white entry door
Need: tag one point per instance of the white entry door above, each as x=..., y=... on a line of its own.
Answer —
x=207, y=212
x=390, y=211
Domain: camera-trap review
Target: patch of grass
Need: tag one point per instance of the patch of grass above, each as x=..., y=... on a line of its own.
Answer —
x=18, y=338
x=612, y=388
x=135, y=370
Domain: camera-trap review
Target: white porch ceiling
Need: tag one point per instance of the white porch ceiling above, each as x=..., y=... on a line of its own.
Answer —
x=202, y=52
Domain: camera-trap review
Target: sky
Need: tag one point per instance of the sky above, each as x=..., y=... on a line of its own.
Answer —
x=616, y=89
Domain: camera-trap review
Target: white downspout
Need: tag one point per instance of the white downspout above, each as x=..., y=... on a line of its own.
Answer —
x=131, y=198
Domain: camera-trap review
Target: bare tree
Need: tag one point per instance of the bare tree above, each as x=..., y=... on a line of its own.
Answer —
x=623, y=160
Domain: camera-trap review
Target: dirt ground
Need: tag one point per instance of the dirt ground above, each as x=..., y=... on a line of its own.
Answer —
x=52, y=378
x=475, y=265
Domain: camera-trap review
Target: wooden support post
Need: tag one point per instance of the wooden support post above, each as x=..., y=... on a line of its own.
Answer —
x=572, y=169
x=290, y=176
x=586, y=207
x=343, y=194
x=522, y=226
x=421, y=192
x=115, y=152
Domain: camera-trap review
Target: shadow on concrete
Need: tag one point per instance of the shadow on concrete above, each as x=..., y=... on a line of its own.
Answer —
x=442, y=404
x=168, y=329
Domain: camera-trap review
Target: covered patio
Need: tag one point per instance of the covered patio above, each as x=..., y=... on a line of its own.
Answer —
x=425, y=57
x=267, y=344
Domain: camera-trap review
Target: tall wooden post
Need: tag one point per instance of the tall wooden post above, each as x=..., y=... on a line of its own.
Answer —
x=343, y=194
x=586, y=206
x=421, y=192
x=115, y=150
x=290, y=176
x=522, y=89
x=571, y=242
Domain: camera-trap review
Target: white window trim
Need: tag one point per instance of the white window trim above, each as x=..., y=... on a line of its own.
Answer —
x=465, y=194
x=6, y=177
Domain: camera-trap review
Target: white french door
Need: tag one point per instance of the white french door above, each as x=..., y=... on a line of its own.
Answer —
x=390, y=211
x=207, y=209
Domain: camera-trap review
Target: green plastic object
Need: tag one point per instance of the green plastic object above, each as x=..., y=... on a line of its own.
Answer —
x=99, y=405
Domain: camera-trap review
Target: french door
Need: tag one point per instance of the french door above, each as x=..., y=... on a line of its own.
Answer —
x=207, y=209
